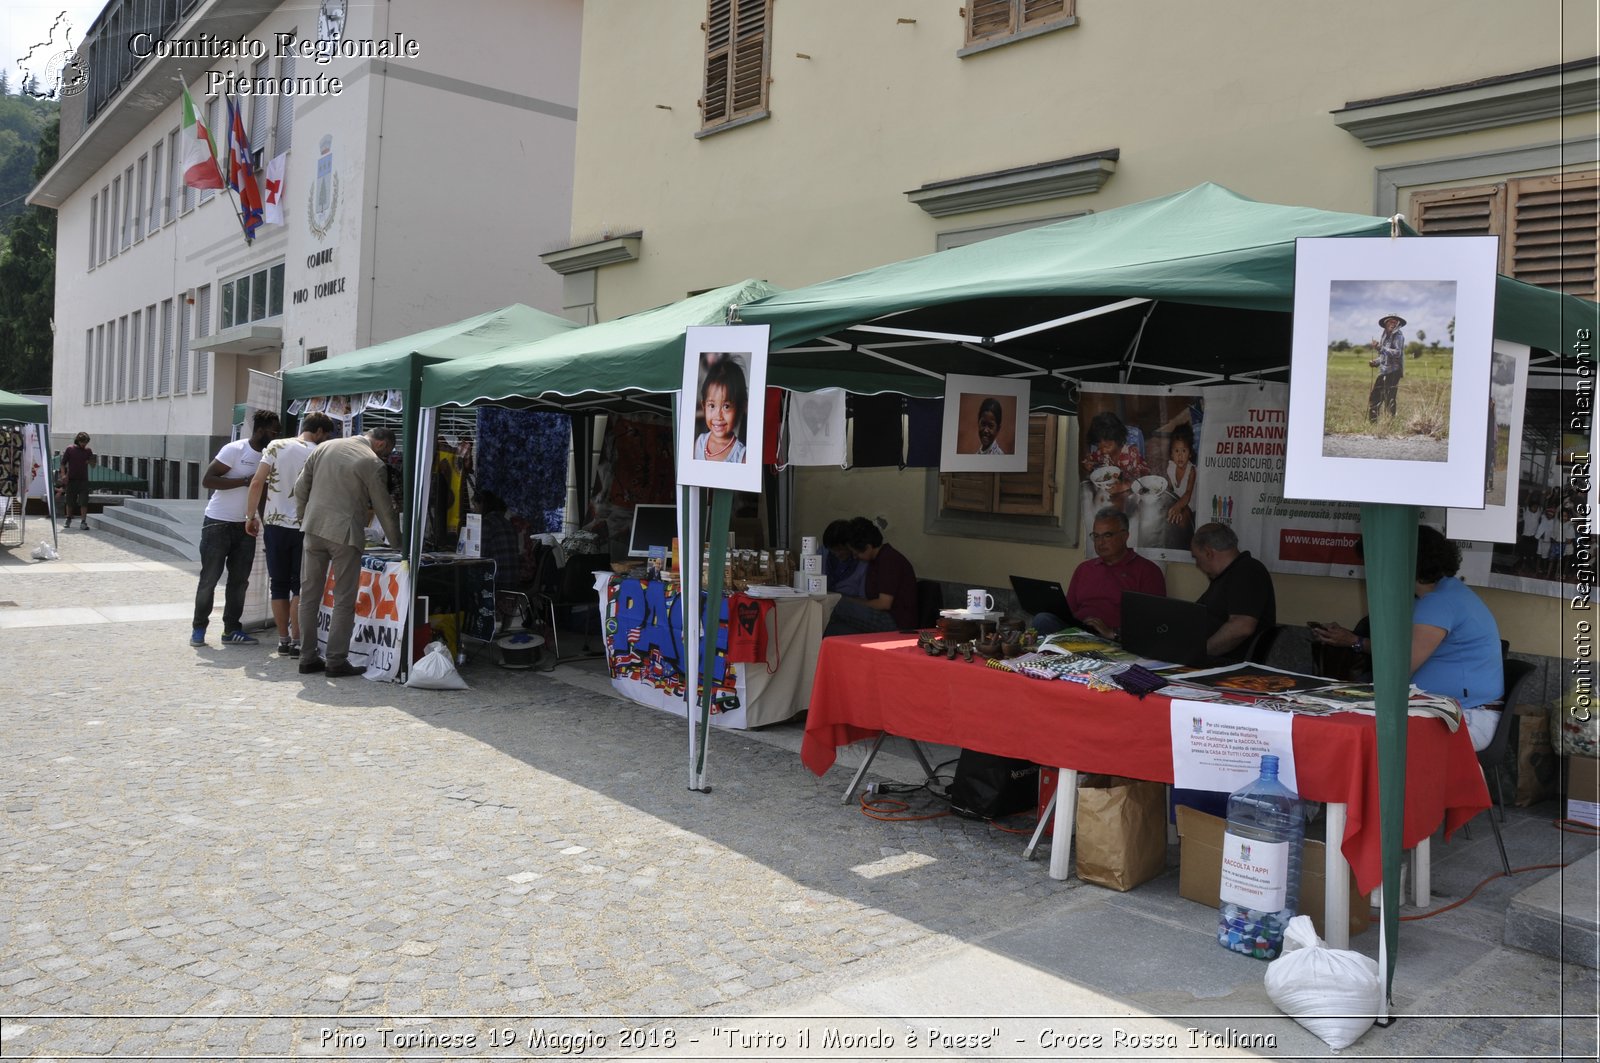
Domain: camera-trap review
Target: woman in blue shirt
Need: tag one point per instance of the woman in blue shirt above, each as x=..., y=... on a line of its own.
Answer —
x=1455, y=642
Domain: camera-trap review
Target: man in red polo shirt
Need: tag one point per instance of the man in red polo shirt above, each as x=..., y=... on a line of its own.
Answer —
x=1095, y=593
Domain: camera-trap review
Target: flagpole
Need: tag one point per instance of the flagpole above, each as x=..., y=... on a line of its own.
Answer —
x=233, y=202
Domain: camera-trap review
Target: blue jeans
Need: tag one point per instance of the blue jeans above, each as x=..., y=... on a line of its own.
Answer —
x=223, y=544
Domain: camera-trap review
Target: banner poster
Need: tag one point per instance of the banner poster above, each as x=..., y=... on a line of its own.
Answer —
x=1551, y=501
x=378, y=641
x=1173, y=459
x=1241, y=485
x=35, y=464
x=645, y=650
x=1138, y=447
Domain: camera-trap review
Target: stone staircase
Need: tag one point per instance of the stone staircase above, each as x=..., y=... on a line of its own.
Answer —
x=1556, y=916
x=172, y=525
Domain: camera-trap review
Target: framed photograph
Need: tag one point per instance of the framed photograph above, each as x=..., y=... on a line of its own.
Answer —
x=721, y=414
x=1497, y=521
x=1390, y=370
x=985, y=425
x=1140, y=449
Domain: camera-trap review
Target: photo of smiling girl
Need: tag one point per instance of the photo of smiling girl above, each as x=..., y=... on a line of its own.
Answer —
x=724, y=398
x=990, y=418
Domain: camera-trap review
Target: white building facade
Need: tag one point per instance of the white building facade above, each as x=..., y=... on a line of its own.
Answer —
x=429, y=158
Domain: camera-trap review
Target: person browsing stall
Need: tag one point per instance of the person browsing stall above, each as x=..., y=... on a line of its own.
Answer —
x=342, y=479
x=1240, y=590
x=75, y=463
x=1094, y=594
x=1455, y=642
x=270, y=513
x=889, y=597
x=224, y=543
x=846, y=575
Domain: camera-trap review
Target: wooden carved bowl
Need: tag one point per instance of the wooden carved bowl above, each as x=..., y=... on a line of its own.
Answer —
x=956, y=630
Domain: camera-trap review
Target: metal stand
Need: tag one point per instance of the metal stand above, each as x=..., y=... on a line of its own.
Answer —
x=855, y=782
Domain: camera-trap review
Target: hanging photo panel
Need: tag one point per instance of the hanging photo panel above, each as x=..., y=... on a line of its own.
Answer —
x=719, y=424
x=1497, y=521
x=1391, y=369
x=985, y=425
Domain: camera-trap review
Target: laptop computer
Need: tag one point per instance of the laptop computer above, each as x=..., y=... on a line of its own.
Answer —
x=1167, y=629
x=1037, y=596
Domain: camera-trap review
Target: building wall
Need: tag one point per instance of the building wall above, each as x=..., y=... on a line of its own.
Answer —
x=453, y=171
x=868, y=102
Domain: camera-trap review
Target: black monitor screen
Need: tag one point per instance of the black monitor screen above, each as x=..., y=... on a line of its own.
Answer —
x=652, y=526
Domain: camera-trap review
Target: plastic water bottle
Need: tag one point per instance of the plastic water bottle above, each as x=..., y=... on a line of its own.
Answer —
x=1260, y=865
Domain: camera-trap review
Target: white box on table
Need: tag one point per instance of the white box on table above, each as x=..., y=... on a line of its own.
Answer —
x=811, y=564
x=816, y=584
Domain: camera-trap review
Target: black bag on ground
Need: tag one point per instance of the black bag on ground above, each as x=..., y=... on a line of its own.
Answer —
x=987, y=786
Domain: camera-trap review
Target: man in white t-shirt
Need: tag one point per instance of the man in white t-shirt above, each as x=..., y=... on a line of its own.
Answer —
x=224, y=544
x=270, y=513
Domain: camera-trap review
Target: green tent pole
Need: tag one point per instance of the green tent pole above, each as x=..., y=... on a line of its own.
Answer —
x=721, y=515
x=1389, y=540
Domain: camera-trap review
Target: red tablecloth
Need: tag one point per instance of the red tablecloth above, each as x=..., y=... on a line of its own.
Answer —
x=871, y=683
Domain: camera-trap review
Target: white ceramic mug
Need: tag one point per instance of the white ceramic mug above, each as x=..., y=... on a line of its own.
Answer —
x=980, y=601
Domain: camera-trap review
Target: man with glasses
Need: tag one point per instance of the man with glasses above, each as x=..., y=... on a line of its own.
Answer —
x=1095, y=592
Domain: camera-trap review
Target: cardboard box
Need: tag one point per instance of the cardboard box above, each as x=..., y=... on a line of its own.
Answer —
x=1200, y=870
x=1583, y=790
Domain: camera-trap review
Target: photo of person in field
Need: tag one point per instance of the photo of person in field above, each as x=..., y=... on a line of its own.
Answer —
x=1391, y=351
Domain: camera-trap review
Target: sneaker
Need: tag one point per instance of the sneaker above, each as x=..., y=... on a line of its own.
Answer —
x=294, y=648
x=198, y=638
x=285, y=648
x=240, y=638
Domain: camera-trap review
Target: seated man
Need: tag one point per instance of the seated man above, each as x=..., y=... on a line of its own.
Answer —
x=1241, y=590
x=889, y=596
x=1094, y=593
x=845, y=574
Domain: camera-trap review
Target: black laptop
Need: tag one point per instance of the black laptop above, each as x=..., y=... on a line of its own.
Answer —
x=1167, y=629
x=1037, y=596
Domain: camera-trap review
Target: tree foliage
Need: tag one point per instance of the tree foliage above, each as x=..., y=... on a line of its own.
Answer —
x=23, y=120
x=28, y=282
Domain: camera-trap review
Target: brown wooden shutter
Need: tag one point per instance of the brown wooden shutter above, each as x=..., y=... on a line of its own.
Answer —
x=1029, y=494
x=719, y=37
x=1032, y=493
x=736, y=59
x=1475, y=211
x=1038, y=12
x=990, y=18
x=1553, y=232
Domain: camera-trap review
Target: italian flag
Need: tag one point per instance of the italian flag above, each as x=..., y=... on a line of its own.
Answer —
x=199, y=154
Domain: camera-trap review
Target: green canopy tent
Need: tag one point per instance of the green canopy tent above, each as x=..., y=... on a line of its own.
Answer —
x=21, y=410
x=397, y=364
x=629, y=363
x=1203, y=279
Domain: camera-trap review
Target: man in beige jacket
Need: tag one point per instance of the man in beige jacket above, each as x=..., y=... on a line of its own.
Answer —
x=340, y=482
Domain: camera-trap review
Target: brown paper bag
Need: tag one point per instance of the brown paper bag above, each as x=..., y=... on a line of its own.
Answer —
x=1121, y=830
x=1537, y=763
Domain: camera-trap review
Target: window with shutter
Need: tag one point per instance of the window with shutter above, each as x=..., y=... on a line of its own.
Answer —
x=737, y=35
x=1549, y=226
x=202, y=327
x=997, y=21
x=1017, y=494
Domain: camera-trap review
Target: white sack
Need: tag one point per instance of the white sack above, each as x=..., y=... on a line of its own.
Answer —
x=1334, y=993
x=435, y=670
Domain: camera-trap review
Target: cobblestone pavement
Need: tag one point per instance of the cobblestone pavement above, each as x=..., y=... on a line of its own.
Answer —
x=205, y=854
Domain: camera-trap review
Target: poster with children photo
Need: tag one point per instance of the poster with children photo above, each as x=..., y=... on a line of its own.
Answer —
x=1138, y=450
x=720, y=417
x=985, y=425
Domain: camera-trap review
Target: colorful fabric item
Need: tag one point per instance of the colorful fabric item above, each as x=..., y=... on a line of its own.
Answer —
x=878, y=439
x=242, y=171
x=10, y=462
x=199, y=151
x=924, y=432
x=522, y=457
x=747, y=629
x=272, y=191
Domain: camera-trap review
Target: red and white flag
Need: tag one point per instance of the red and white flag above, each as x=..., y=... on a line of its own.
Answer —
x=272, y=191
x=199, y=152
